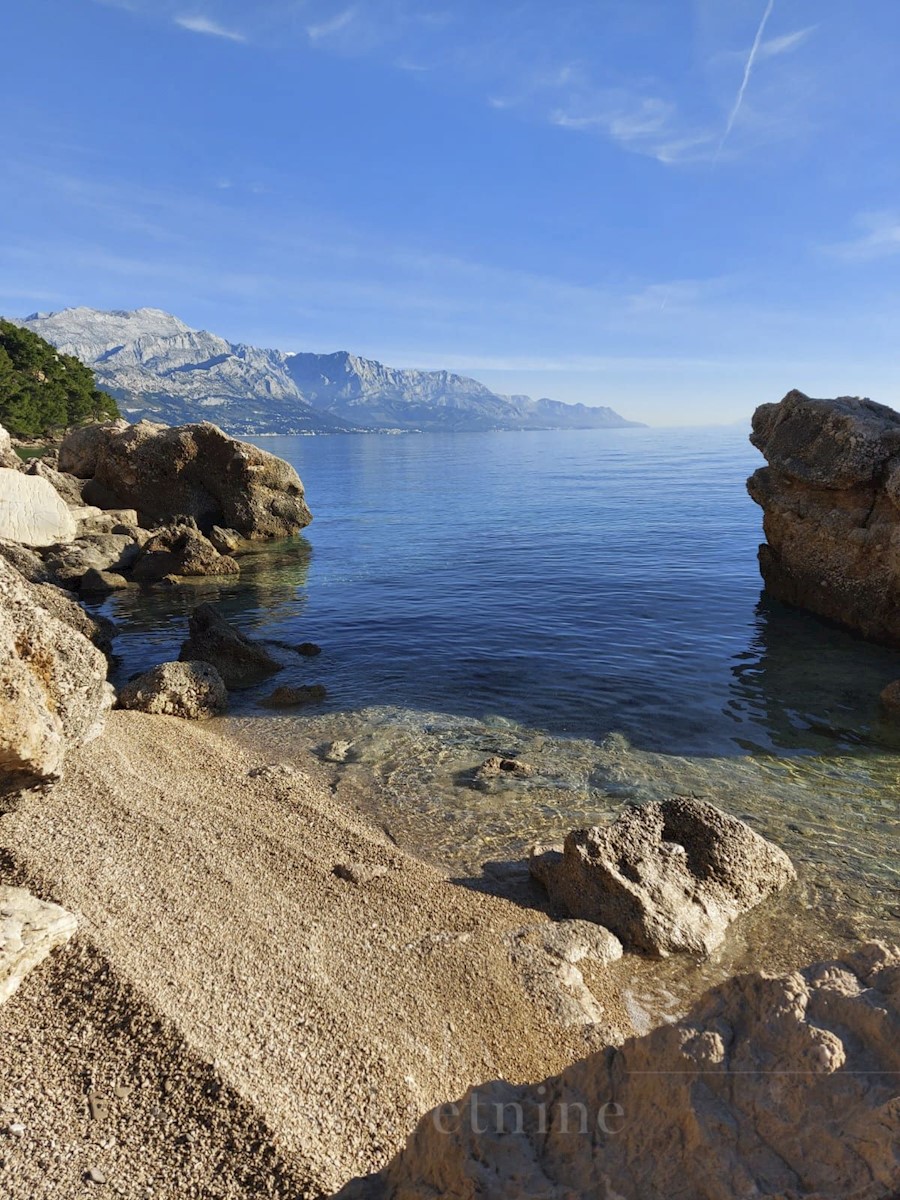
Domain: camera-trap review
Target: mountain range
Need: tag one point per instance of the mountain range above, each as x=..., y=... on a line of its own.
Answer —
x=159, y=368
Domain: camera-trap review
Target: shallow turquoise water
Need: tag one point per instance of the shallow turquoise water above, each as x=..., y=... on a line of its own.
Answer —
x=535, y=594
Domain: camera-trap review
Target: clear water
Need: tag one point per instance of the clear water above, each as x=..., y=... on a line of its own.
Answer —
x=589, y=602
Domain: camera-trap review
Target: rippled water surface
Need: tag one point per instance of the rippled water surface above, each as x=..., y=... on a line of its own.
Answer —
x=589, y=602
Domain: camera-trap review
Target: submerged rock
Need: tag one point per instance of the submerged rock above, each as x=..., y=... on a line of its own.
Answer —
x=769, y=1088
x=291, y=697
x=53, y=690
x=666, y=877
x=240, y=661
x=196, y=470
x=831, y=509
x=498, y=767
x=193, y=690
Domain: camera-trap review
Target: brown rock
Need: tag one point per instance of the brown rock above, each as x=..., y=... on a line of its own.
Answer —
x=240, y=661
x=193, y=690
x=180, y=550
x=831, y=509
x=666, y=877
x=196, y=470
x=290, y=697
x=769, y=1088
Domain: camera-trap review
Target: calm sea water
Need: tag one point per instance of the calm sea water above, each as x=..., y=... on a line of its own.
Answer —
x=590, y=601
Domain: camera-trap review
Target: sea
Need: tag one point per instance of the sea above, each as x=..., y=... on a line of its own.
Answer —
x=589, y=603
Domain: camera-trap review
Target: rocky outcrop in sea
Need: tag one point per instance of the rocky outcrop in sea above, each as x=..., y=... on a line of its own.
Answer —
x=830, y=497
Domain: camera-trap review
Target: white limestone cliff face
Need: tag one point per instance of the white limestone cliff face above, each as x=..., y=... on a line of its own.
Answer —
x=160, y=369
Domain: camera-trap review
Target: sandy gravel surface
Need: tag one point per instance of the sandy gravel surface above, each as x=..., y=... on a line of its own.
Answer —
x=281, y=1028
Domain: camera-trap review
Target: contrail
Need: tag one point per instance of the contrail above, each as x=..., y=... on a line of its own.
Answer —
x=748, y=71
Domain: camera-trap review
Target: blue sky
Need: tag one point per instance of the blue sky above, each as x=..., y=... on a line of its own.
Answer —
x=681, y=208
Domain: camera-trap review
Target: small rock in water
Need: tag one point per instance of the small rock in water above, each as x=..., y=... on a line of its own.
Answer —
x=288, y=697
x=337, y=752
x=497, y=767
x=308, y=649
x=890, y=696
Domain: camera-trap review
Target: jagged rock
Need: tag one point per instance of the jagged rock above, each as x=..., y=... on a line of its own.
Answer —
x=180, y=550
x=100, y=551
x=98, y=520
x=831, y=509
x=67, y=487
x=31, y=512
x=290, y=697
x=193, y=690
x=769, y=1088
x=99, y=583
x=666, y=877
x=226, y=541
x=29, y=930
x=25, y=561
x=240, y=661
x=58, y=602
x=498, y=767
x=53, y=690
x=8, y=456
x=196, y=470
x=337, y=752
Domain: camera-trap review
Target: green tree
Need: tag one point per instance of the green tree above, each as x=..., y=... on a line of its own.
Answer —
x=42, y=390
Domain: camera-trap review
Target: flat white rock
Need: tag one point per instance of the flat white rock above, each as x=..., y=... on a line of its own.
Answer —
x=32, y=512
x=29, y=930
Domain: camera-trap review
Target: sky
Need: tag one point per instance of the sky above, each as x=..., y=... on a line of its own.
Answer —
x=679, y=208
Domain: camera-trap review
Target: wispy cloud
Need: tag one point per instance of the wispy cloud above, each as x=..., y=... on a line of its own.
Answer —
x=748, y=71
x=206, y=25
x=336, y=24
x=880, y=238
x=784, y=44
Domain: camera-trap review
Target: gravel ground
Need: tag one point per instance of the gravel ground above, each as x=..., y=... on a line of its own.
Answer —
x=274, y=1028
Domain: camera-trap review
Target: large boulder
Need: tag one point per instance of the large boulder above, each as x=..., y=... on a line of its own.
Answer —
x=53, y=690
x=769, y=1088
x=831, y=509
x=29, y=930
x=180, y=550
x=669, y=876
x=59, y=603
x=193, y=690
x=194, y=470
x=240, y=661
x=32, y=512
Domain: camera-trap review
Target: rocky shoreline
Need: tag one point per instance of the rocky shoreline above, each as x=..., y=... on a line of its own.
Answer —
x=265, y=993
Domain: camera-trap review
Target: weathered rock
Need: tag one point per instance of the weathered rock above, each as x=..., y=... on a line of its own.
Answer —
x=97, y=520
x=59, y=603
x=31, y=512
x=240, y=661
x=770, y=1088
x=831, y=509
x=29, y=930
x=25, y=561
x=665, y=877
x=8, y=456
x=359, y=873
x=193, y=690
x=498, y=767
x=226, y=541
x=890, y=696
x=337, y=752
x=193, y=469
x=290, y=697
x=67, y=487
x=308, y=649
x=180, y=550
x=95, y=582
x=100, y=551
x=53, y=690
